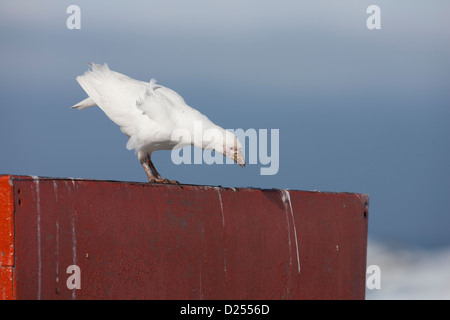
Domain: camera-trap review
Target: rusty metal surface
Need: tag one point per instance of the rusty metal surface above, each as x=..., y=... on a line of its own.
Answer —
x=6, y=283
x=142, y=241
x=6, y=239
x=6, y=223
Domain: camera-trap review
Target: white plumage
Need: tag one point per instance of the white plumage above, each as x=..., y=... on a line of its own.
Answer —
x=149, y=114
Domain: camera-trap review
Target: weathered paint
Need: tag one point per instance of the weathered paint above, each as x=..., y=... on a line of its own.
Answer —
x=6, y=283
x=6, y=238
x=148, y=241
x=6, y=223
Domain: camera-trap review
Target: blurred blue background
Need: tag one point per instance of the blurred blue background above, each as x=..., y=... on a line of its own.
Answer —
x=358, y=110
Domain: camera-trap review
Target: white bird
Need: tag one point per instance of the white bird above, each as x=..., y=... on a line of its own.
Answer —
x=150, y=115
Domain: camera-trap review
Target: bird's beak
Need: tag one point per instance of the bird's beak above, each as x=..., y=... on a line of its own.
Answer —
x=239, y=159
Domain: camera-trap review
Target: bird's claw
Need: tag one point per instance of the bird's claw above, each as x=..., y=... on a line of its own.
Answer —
x=163, y=181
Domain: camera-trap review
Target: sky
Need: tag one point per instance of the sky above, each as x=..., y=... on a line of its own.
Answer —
x=358, y=110
x=408, y=273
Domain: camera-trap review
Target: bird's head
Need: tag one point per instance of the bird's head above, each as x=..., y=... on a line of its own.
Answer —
x=225, y=142
x=232, y=149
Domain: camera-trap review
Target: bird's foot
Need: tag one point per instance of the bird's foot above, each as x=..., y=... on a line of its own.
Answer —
x=163, y=181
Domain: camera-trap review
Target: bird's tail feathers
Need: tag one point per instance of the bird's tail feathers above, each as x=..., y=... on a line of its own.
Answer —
x=96, y=71
x=89, y=82
x=86, y=103
x=99, y=68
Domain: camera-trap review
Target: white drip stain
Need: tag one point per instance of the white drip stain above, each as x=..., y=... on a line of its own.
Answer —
x=288, y=196
x=283, y=196
x=223, y=224
x=74, y=249
x=38, y=227
x=55, y=190
x=221, y=208
x=68, y=188
x=74, y=239
x=57, y=251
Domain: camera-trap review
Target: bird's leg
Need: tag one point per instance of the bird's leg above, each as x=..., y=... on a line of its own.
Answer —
x=153, y=169
x=150, y=170
x=152, y=174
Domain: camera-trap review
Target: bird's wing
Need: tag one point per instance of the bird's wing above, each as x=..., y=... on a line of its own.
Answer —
x=114, y=93
x=159, y=103
x=153, y=104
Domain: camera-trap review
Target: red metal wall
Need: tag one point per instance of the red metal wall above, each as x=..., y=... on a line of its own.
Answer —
x=147, y=241
x=6, y=239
